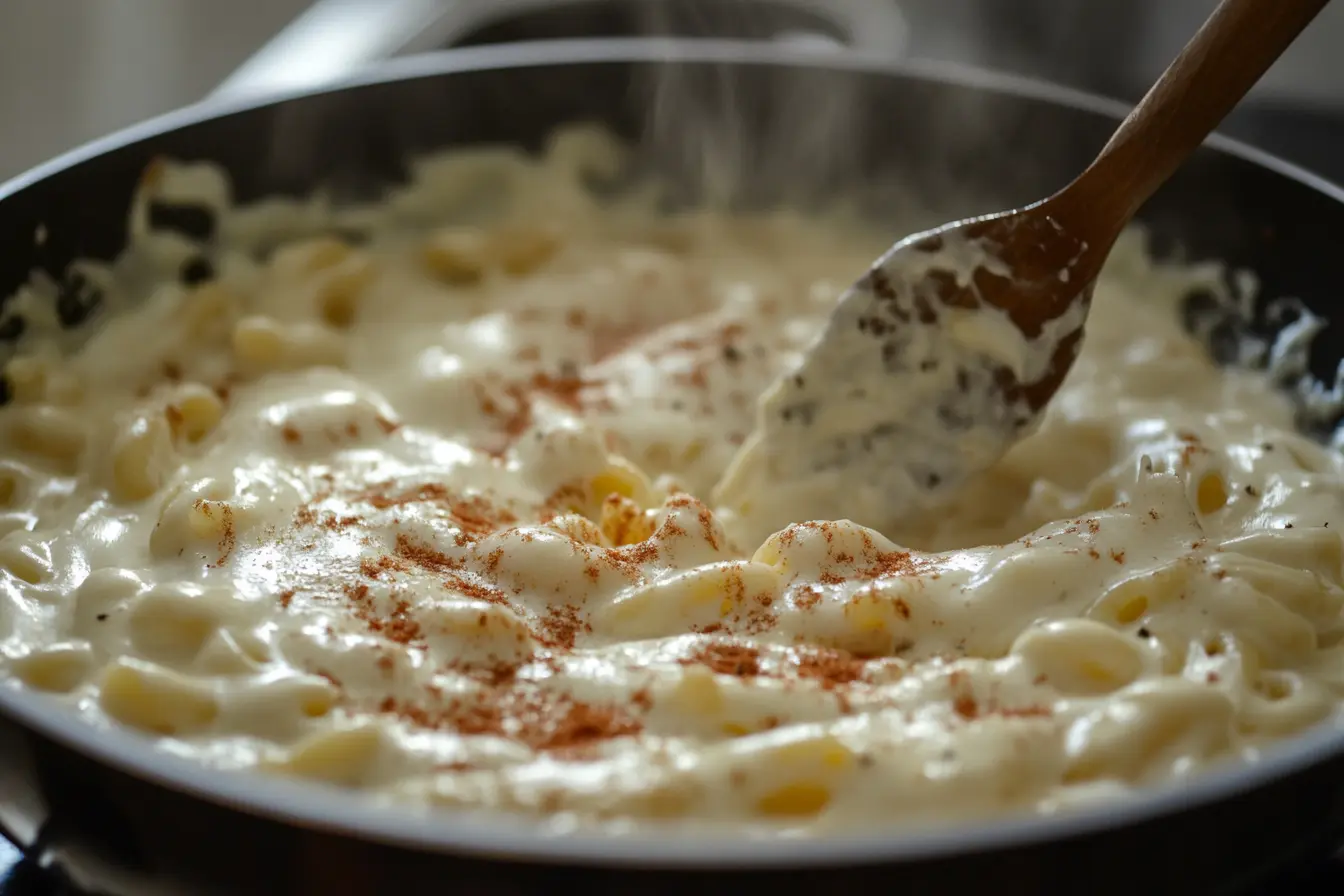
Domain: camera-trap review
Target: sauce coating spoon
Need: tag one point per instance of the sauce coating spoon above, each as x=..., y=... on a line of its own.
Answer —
x=947, y=351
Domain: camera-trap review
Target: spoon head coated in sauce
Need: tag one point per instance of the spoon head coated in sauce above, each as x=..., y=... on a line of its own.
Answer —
x=930, y=367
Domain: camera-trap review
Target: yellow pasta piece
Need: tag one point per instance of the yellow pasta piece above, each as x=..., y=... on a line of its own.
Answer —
x=337, y=757
x=458, y=257
x=824, y=751
x=340, y=289
x=620, y=478
x=171, y=623
x=142, y=458
x=259, y=344
x=311, y=256
x=193, y=412
x=800, y=799
x=1146, y=728
x=27, y=378
x=53, y=434
x=521, y=251
x=624, y=522
x=154, y=699
x=703, y=594
x=15, y=482
x=698, y=693
x=58, y=669
x=26, y=557
x=1133, y=599
x=209, y=310
x=1079, y=656
x=578, y=527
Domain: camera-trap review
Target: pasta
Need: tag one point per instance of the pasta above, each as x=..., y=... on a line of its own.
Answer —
x=409, y=499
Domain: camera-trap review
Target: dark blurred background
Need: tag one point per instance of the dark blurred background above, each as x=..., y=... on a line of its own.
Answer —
x=73, y=69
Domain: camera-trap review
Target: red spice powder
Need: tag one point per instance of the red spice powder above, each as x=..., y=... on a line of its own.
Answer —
x=728, y=659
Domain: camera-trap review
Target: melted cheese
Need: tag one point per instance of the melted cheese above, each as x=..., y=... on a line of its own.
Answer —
x=425, y=518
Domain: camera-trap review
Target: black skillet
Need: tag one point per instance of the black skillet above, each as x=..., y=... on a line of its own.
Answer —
x=966, y=141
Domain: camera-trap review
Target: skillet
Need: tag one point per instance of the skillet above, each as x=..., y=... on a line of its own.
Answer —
x=971, y=140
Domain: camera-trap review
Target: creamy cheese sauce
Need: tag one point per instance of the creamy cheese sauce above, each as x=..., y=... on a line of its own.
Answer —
x=421, y=515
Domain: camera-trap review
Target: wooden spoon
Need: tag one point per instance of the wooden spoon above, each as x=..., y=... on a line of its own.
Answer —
x=946, y=352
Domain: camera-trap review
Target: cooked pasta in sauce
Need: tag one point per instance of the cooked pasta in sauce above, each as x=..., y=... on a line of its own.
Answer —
x=410, y=499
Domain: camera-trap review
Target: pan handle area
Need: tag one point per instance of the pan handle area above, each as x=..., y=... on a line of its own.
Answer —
x=333, y=40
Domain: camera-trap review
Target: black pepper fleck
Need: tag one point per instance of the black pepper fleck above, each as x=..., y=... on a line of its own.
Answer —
x=102, y=617
x=6, y=391
x=731, y=354
x=1144, y=633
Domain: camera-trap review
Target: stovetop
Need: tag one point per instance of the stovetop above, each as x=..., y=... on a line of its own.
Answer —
x=23, y=877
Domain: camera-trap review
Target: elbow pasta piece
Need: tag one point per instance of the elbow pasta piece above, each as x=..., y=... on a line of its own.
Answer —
x=875, y=623
x=27, y=378
x=27, y=557
x=263, y=345
x=697, y=694
x=203, y=516
x=343, y=757
x=156, y=699
x=170, y=623
x=209, y=311
x=16, y=482
x=302, y=258
x=623, y=522
x=1081, y=657
x=53, y=434
x=59, y=668
x=276, y=708
x=522, y=250
x=1148, y=728
x=1301, y=591
x=704, y=595
x=1282, y=703
x=1133, y=599
x=222, y=654
x=475, y=630
x=340, y=288
x=142, y=458
x=792, y=776
x=330, y=421
x=457, y=257
x=1229, y=651
x=620, y=478
x=578, y=527
x=1280, y=636
x=193, y=412
x=1316, y=550
x=585, y=150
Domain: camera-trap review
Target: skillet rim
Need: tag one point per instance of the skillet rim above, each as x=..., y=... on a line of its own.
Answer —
x=495, y=835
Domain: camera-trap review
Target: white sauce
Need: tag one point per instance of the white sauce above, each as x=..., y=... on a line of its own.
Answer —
x=441, y=543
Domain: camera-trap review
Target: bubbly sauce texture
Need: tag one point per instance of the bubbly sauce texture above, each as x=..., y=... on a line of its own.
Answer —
x=411, y=499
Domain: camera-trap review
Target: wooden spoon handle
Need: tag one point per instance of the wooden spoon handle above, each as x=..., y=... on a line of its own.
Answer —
x=1237, y=44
